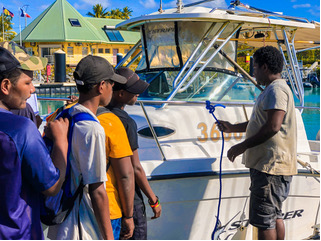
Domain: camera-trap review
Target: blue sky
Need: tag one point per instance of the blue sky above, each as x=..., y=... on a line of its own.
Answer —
x=309, y=9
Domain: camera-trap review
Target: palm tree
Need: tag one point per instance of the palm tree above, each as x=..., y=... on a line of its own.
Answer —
x=127, y=12
x=98, y=11
x=9, y=34
x=115, y=14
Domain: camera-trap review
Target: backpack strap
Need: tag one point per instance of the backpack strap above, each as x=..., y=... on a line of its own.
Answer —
x=82, y=116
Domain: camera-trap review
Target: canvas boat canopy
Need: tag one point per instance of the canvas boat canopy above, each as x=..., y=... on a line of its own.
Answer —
x=257, y=28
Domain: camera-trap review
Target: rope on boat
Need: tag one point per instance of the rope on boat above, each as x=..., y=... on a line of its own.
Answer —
x=211, y=110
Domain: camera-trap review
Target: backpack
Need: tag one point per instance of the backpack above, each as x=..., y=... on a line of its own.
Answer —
x=54, y=210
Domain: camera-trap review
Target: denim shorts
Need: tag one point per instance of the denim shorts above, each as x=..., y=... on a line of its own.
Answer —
x=267, y=194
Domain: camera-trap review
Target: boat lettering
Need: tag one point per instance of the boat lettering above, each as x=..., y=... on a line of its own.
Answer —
x=237, y=224
x=215, y=134
x=287, y=215
x=162, y=30
x=293, y=214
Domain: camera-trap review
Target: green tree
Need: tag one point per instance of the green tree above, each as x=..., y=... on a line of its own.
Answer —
x=6, y=24
x=98, y=11
x=120, y=14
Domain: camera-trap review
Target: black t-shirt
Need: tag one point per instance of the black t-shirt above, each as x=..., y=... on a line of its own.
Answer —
x=26, y=112
x=131, y=130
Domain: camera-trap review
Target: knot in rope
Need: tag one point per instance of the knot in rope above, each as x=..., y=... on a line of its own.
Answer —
x=211, y=108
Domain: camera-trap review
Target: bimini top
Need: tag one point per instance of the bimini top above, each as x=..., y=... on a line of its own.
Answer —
x=252, y=22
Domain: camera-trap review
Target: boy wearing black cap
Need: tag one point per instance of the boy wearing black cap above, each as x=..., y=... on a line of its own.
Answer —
x=126, y=94
x=89, y=219
x=26, y=169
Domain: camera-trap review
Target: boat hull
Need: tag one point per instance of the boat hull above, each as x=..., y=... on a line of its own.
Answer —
x=189, y=206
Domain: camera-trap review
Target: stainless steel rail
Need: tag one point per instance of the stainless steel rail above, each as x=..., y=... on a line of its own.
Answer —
x=130, y=52
x=152, y=130
x=171, y=96
x=189, y=60
x=178, y=102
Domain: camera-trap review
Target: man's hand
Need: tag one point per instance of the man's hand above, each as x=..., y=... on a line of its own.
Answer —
x=236, y=150
x=72, y=98
x=157, y=211
x=224, y=126
x=128, y=227
x=57, y=130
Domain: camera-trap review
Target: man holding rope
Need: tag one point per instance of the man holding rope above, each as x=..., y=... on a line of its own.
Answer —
x=269, y=149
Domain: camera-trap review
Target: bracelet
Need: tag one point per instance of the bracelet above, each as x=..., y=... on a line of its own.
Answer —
x=128, y=217
x=154, y=205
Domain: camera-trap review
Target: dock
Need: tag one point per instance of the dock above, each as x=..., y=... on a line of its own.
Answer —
x=56, y=89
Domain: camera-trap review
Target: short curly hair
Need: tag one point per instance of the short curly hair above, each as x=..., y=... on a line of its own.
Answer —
x=270, y=56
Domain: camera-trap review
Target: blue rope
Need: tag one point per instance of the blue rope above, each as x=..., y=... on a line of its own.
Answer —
x=211, y=110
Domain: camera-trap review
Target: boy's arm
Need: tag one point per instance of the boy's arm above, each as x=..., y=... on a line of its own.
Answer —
x=124, y=175
x=141, y=180
x=99, y=200
x=57, y=131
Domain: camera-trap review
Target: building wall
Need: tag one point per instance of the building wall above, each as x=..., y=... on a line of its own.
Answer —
x=76, y=51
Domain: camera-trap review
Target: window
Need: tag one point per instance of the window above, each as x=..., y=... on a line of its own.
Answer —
x=114, y=35
x=107, y=51
x=100, y=51
x=84, y=51
x=94, y=51
x=74, y=22
x=70, y=51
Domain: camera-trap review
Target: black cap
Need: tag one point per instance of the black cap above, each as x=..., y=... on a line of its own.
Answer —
x=94, y=69
x=7, y=61
x=134, y=84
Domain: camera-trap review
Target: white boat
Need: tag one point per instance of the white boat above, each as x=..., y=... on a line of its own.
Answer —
x=187, y=56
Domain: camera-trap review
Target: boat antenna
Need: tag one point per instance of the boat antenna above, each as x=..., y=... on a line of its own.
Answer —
x=160, y=7
x=179, y=6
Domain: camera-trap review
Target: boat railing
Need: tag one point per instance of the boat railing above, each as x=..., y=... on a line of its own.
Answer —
x=181, y=102
x=179, y=86
x=142, y=103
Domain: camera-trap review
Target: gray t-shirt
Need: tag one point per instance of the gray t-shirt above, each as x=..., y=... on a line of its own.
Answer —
x=277, y=155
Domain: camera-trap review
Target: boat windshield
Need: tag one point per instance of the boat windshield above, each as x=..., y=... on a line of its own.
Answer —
x=169, y=47
x=209, y=85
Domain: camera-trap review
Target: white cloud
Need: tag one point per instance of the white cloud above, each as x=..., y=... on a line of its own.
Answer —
x=85, y=4
x=307, y=5
x=148, y=3
x=43, y=7
x=315, y=11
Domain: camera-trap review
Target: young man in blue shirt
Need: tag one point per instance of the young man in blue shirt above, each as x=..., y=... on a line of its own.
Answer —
x=26, y=168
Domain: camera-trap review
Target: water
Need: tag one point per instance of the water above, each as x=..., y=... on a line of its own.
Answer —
x=311, y=118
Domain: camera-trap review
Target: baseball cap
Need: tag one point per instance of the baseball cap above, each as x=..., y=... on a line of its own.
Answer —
x=14, y=56
x=134, y=84
x=94, y=69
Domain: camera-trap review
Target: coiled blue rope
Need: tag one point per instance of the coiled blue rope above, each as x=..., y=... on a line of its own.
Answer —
x=211, y=109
